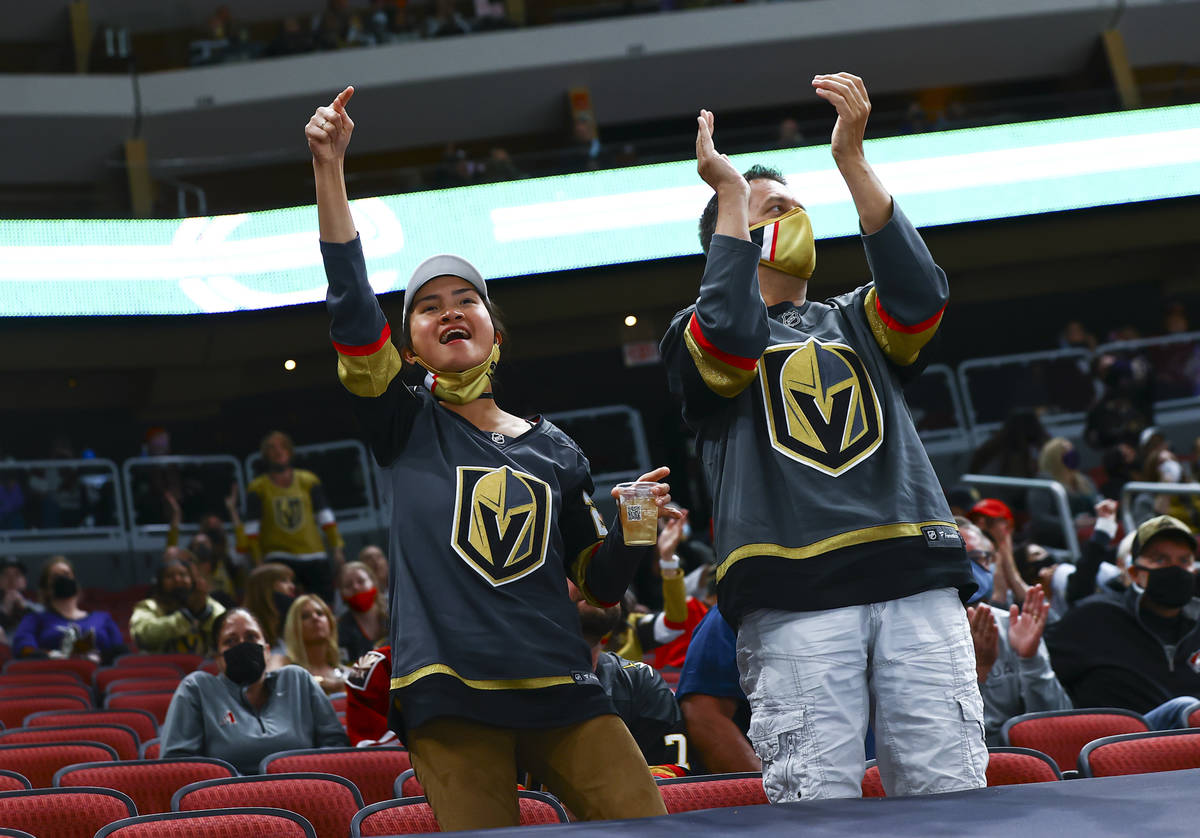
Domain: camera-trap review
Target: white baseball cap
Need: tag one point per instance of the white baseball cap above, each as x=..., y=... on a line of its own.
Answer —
x=444, y=264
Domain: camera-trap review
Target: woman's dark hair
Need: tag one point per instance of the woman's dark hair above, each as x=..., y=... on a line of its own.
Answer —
x=708, y=218
x=173, y=556
x=44, y=575
x=219, y=624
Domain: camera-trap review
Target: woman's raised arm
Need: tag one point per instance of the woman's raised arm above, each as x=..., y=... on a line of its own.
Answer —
x=328, y=133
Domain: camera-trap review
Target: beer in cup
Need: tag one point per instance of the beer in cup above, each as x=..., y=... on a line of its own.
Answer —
x=639, y=513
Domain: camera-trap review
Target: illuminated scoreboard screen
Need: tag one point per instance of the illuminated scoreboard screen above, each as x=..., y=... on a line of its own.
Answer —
x=267, y=259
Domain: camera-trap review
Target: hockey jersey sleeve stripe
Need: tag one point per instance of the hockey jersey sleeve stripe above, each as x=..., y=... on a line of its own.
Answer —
x=368, y=349
x=369, y=375
x=724, y=374
x=508, y=684
x=901, y=344
x=826, y=545
x=580, y=575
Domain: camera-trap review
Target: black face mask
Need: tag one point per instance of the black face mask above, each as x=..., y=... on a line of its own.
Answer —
x=282, y=602
x=245, y=663
x=180, y=595
x=202, y=552
x=1171, y=586
x=64, y=587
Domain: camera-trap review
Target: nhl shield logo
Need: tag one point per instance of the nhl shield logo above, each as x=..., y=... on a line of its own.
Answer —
x=501, y=522
x=821, y=407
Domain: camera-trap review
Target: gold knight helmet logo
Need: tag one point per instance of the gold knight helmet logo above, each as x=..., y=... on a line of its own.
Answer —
x=501, y=522
x=289, y=512
x=821, y=407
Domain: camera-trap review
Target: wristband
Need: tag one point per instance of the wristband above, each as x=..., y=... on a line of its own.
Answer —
x=669, y=564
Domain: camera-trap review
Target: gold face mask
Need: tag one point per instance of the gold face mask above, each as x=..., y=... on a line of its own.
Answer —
x=787, y=243
x=465, y=386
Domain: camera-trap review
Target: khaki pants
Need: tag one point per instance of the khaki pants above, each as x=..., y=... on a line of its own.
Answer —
x=469, y=770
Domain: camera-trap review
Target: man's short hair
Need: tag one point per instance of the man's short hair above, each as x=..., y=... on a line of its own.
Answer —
x=708, y=218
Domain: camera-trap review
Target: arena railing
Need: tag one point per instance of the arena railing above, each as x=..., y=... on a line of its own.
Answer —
x=1165, y=354
x=199, y=482
x=100, y=526
x=613, y=438
x=1070, y=538
x=1058, y=380
x=939, y=415
x=347, y=477
x=1132, y=489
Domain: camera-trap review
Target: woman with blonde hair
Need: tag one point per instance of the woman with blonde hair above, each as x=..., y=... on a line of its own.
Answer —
x=270, y=592
x=365, y=623
x=310, y=640
x=1059, y=461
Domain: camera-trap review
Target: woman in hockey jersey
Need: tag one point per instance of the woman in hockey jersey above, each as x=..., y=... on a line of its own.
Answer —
x=490, y=515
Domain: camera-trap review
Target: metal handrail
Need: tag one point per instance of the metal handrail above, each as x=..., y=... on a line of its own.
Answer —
x=1138, y=488
x=956, y=402
x=356, y=517
x=1006, y=360
x=1053, y=486
x=140, y=533
x=54, y=539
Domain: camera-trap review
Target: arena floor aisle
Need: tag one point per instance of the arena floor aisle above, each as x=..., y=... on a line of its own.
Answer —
x=1146, y=805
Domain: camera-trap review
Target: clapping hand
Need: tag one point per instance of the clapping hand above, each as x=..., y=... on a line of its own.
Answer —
x=1026, y=625
x=848, y=95
x=716, y=169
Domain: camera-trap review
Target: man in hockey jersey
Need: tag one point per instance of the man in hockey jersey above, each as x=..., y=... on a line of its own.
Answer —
x=838, y=560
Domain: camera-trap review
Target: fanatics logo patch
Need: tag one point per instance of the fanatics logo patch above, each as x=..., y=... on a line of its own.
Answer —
x=501, y=522
x=582, y=678
x=820, y=405
x=938, y=535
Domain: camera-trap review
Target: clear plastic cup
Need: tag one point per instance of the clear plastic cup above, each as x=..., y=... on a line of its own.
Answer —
x=639, y=513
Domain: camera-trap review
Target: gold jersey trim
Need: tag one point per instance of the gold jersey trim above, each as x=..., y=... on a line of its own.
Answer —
x=901, y=347
x=724, y=379
x=368, y=376
x=827, y=545
x=580, y=574
x=509, y=684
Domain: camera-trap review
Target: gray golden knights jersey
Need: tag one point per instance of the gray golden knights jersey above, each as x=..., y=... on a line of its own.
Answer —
x=823, y=493
x=485, y=531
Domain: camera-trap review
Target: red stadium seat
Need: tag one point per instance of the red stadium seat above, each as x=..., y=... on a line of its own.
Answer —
x=12, y=781
x=14, y=710
x=143, y=685
x=142, y=722
x=5, y=832
x=338, y=700
x=372, y=770
x=155, y=702
x=407, y=785
x=150, y=783
x=712, y=791
x=183, y=660
x=1061, y=734
x=220, y=823
x=151, y=748
x=83, y=667
x=46, y=691
x=36, y=679
x=211, y=666
x=413, y=815
x=39, y=761
x=1006, y=767
x=120, y=738
x=63, y=813
x=1141, y=753
x=327, y=801
x=106, y=676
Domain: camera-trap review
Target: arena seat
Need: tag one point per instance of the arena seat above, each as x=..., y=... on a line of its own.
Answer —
x=14, y=710
x=46, y=691
x=150, y=749
x=83, y=667
x=143, y=685
x=25, y=679
x=372, y=770
x=155, y=702
x=1061, y=734
x=39, y=761
x=64, y=813
x=1141, y=753
x=142, y=721
x=103, y=677
x=327, y=801
x=1006, y=767
x=120, y=738
x=407, y=785
x=150, y=783
x=414, y=815
x=712, y=791
x=872, y=785
x=1193, y=715
x=12, y=781
x=185, y=661
x=218, y=823
x=14, y=833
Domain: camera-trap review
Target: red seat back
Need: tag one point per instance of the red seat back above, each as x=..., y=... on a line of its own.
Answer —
x=63, y=813
x=39, y=761
x=1141, y=753
x=1193, y=716
x=12, y=781
x=328, y=802
x=407, y=785
x=14, y=710
x=120, y=738
x=372, y=770
x=143, y=685
x=106, y=676
x=1061, y=734
x=46, y=691
x=151, y=749
x=872, y=785
x=185, y=661
x=150, y=783
x=1016, y=766
x=25, y=679
x=686, y=794
x=141, y=721
x=222, y=823
x=413, y=815
x=154, y=702
x=83, y=667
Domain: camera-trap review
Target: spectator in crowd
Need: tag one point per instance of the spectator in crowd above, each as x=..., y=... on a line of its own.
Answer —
x=286, y=514
x=215, y=568
x=642, y=699
x=500, y=167
x=14, y=605
x=292, y=39
x=310, y=640
x=1011, y=661
x=179, y=614
x=12, y=500
x=585, y=153
x=644, y=630
x=57, y=498
x=446, y=20
x=1066, y=584
x=1119, y=463
x=713, y=704
x=270, y=592
x=789, y=135
x=995, y=520
x=1076, y=336
x=1138, y=650
x=1177, y=364
x=329, y=33
x=375, y=559
x=245, y=712
x=365, y=623
x=820, y=596
x=1161, y=465
x=63, y=629
x=1125, y=407
x=1059, y=461
x=1012, y=451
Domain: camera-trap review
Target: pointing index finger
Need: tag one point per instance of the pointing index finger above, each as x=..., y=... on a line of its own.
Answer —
x=339, y=104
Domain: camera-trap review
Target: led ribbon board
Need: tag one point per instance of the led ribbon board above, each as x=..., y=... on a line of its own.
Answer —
x=267, y=259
